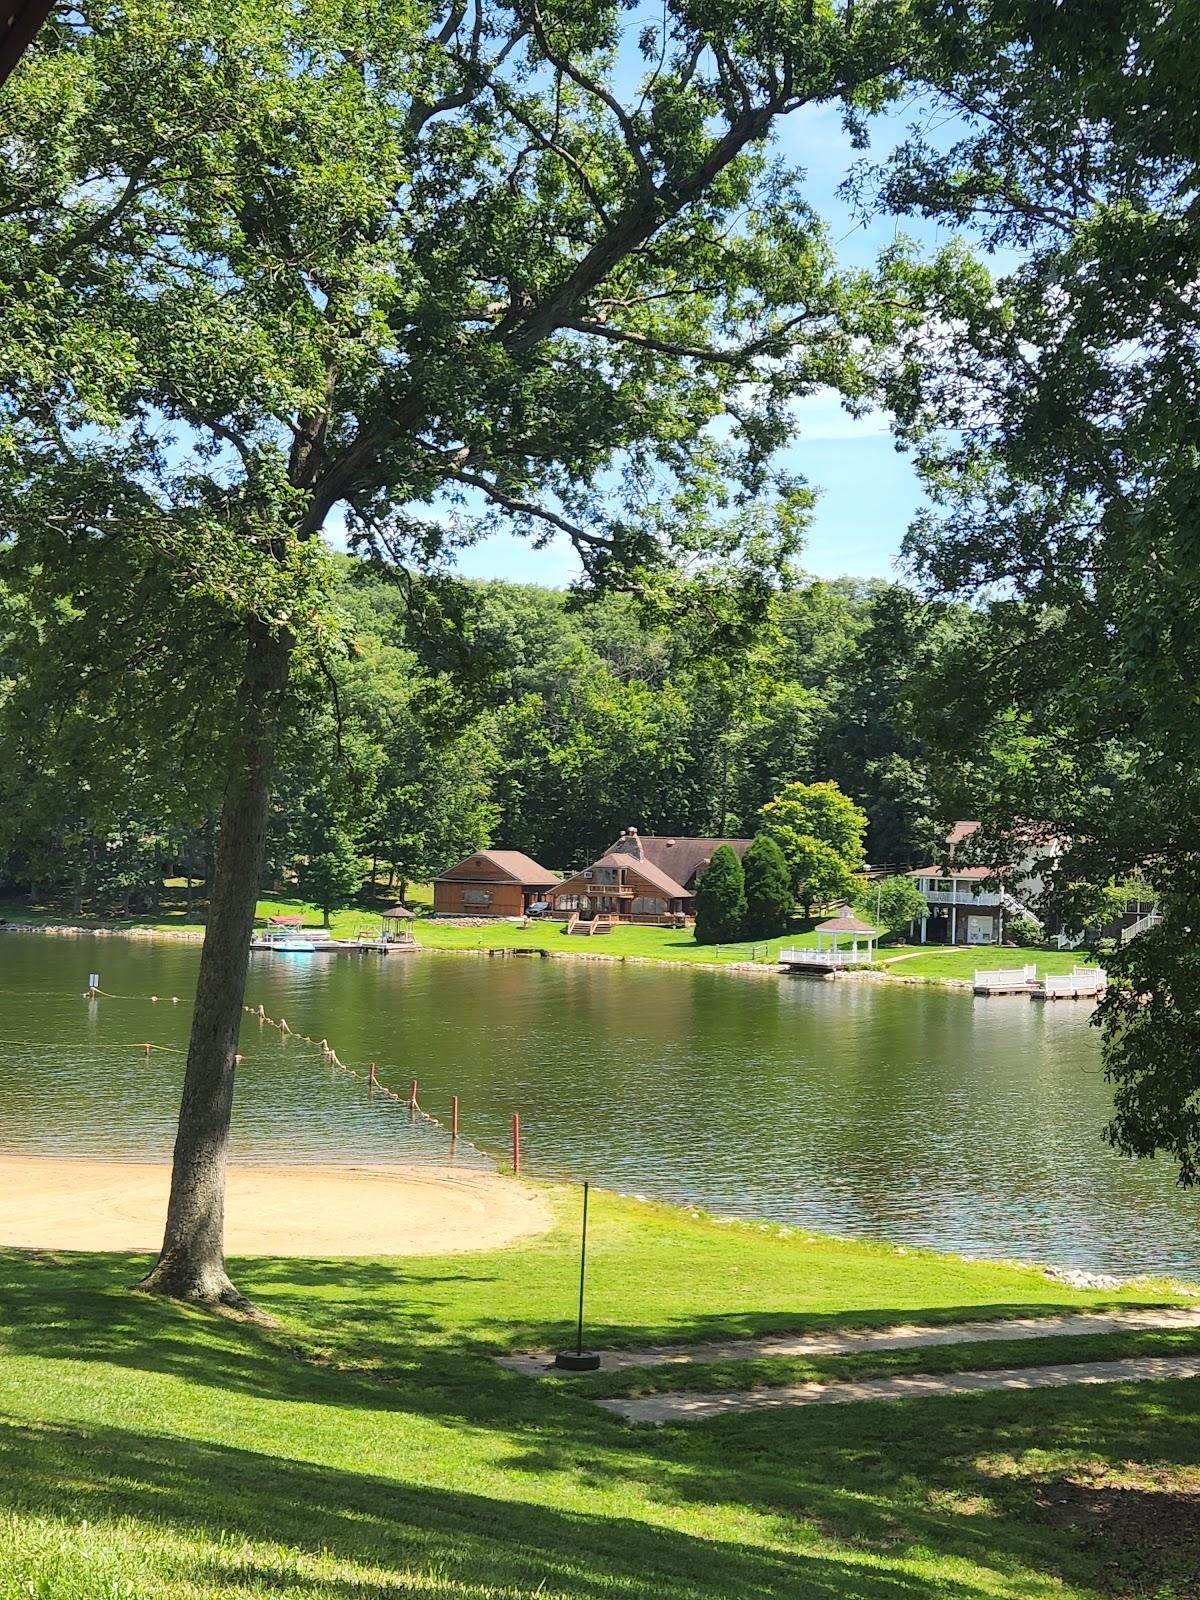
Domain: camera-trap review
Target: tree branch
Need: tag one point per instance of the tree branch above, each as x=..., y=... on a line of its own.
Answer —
x=598, y=92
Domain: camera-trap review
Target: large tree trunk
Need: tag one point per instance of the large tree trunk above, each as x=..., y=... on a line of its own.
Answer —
x=192, y=1263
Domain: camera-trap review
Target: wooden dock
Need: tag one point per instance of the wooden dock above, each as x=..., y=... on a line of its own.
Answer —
x=337, y=947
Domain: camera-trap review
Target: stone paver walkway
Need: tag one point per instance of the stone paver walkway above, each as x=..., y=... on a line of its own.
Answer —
x=660, y=1408
x=539, y=1364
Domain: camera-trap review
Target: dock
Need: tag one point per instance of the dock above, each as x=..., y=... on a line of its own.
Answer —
x=338, y=947
x=1081, y=983
x=1006, y=980
x=824, y=962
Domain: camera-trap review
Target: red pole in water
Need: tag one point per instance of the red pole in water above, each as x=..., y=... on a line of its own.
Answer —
x=371, y=1078
x=454, y=1117
x=412, y=1095
x=516, y=1144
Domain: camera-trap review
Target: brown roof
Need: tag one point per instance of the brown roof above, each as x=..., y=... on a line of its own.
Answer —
x=959, y=832
x=647, y=870
x=398, y=912
x=491, y=866
x=681, y=857
x=287, y=919
x=847, y=922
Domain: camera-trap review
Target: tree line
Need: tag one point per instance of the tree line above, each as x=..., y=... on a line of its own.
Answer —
x=556, y=725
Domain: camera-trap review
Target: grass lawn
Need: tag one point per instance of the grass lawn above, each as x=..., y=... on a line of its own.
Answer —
x=365, y=1448
x=625, y=939
x=940, y=961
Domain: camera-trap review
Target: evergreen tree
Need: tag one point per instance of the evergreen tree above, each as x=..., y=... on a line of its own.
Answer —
x=721, y=899
x=769, y=896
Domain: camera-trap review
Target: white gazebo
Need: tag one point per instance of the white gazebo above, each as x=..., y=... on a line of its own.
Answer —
x=830, y=934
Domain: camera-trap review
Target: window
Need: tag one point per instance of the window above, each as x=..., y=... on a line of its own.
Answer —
x=604, y=875
x=647, y=905
x=943, y=886
x=477, y=897
x=568, y=902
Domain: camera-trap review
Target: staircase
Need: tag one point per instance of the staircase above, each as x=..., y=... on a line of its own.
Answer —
x=1150, y=920
x=1070, y=941
x=1014, y=907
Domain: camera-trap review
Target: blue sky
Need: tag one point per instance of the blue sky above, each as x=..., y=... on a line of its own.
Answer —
x=868, y=491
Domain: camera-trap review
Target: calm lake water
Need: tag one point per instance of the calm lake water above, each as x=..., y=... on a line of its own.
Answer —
x=917, y=1114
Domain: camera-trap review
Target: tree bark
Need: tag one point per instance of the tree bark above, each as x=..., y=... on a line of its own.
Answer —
x=192, y=1263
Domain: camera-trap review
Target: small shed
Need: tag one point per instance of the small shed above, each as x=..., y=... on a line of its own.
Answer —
x=830, y=935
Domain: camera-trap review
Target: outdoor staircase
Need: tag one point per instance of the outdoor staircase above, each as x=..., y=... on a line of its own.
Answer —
x=1015, y=907
x=1150, y=920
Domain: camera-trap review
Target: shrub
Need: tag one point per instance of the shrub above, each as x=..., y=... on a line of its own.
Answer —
x=769, y=894
x=721, y=899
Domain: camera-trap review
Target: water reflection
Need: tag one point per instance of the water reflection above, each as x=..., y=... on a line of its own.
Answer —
x=915, y=1113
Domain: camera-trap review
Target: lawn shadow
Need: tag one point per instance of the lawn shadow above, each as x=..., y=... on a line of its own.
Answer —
x=443, y=1539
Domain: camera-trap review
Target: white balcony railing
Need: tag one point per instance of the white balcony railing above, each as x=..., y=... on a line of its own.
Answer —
x=985, y=900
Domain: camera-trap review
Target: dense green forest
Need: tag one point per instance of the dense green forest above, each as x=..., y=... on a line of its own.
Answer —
x=539, y=723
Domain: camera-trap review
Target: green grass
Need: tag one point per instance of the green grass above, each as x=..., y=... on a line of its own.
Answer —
x=625, y=939
x=366, y=1448
x=938, y=961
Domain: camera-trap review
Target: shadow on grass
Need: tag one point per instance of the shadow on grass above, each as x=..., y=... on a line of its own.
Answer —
x=448, y=1540
x=892, y=1482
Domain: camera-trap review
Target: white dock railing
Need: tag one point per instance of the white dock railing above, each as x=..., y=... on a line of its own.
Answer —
x=1079, y=983
x=1006, y=977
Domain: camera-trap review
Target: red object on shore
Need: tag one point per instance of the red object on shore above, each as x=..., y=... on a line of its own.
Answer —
x=516, y=1144
x=454, y=1117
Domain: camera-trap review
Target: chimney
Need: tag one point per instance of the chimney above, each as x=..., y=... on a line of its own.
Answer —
x=630, y=845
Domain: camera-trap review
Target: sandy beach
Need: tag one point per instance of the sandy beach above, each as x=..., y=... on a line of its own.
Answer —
x=59, y=1204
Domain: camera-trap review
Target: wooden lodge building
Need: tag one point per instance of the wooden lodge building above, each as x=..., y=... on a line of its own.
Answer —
x=493, y=883
x=641, y=879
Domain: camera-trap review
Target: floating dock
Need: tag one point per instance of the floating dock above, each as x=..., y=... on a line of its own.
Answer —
x=337, y=947
x=1082, y=983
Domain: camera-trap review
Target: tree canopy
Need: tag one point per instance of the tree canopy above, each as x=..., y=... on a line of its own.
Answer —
x=1055, y=416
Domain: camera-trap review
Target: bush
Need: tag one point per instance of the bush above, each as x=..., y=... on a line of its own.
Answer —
x=769, y=896
x=721, y=899
x=1023, y=930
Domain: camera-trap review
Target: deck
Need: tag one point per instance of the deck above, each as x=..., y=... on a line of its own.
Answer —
x=801, y=960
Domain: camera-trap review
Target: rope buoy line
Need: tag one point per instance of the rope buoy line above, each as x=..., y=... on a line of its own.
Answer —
x=372, y=1079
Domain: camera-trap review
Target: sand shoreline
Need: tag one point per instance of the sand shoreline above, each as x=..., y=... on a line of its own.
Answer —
x=318, y=1209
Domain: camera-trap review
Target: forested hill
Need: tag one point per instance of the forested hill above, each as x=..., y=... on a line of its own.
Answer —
x=546, y=727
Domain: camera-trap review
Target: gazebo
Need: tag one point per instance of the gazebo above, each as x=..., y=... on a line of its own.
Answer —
x=395, y=924
x=829, y=937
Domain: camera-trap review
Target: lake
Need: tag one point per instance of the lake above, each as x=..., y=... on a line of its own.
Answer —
x=918, y=1114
